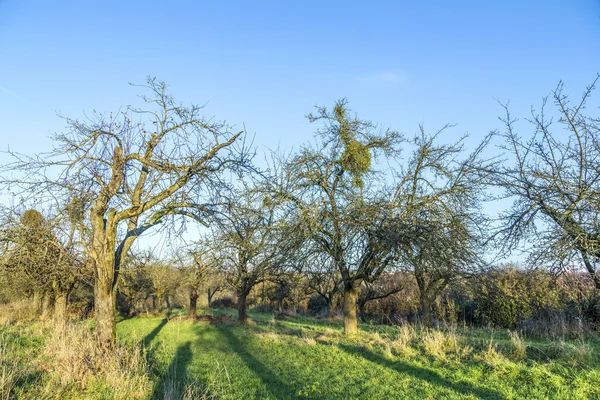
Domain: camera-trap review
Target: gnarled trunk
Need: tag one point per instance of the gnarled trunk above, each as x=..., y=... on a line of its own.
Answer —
x=47, y=305
x=426, y=311
x=241, y=307
x=105, y=312
x=351, y=291
x=159, y=302
x=193, y=303
x=330, y=312
x=37, y=302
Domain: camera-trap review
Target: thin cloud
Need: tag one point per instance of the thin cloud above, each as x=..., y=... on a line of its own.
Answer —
x=386, y=78
x=11, y=93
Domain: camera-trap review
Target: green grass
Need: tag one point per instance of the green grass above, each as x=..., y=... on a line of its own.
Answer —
x=301, y=358
x=305, y=358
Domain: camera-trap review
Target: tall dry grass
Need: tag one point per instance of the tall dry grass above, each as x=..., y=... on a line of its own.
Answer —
x=76, y=361
x=17, y=311
x=8, y=371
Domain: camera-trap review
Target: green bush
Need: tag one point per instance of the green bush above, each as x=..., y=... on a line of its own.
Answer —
x=507, y=296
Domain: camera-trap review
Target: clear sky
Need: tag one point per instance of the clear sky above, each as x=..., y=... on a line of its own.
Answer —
x=265, y=64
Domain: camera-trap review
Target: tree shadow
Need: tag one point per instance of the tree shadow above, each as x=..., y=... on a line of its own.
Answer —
x=150, y=337
x=268, y=377
x=424, y=374
x=172, y=383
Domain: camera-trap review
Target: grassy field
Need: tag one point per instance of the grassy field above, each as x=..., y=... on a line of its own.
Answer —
x=305, y=358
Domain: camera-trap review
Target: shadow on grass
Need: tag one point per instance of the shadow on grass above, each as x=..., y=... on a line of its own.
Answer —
x=172, y=383
x=274, y=384
x=150, y=337
x=423, y=374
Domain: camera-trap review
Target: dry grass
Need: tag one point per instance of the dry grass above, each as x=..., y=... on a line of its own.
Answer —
x=8, y=371
x=491, y=356
x=518, y=348
x=401, y=341
x=270, y=337
x=78, y=361
x=441, y=343
x=17, y=311
x=328, y=335
x=573, y=354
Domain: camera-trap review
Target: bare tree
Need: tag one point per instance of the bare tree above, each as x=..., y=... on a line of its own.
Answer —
x=445, y=250
x=553, y=176
x=47, y=266
x=215, y=283
x=329, y=189
x=381, y=288
x=196, y=270
x=134, y=284
x=322, y=277
x=348, y=210
x=440, y=224
x=135, y=169
x=252, y=242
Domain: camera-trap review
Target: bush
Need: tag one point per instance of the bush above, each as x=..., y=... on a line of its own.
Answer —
x=223, y=302
x=508, y=296
x=553, y=324
x=264, y=307
x=316, y=304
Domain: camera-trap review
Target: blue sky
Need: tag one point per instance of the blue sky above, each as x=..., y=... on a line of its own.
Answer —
x=265, y=64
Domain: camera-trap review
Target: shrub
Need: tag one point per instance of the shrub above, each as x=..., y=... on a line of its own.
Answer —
x=223, y=302
x=507, y=296
x=553, y=324
x=316, y=304
x=264, y=307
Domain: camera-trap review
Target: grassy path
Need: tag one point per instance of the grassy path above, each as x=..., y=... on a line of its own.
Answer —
x=305, y=359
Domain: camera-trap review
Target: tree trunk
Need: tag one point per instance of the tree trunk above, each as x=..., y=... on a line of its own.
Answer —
x=361, y=310
x=60, y=310
x=330, y=311
x=37, y=303
x=330, y=307
x=105, y=309
x=351, y=291
x=131, y=303
x=210, y=296
x=46, y=306
x=241, y=306
x=158, y=305
x=426, y=311
x=193, y=304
